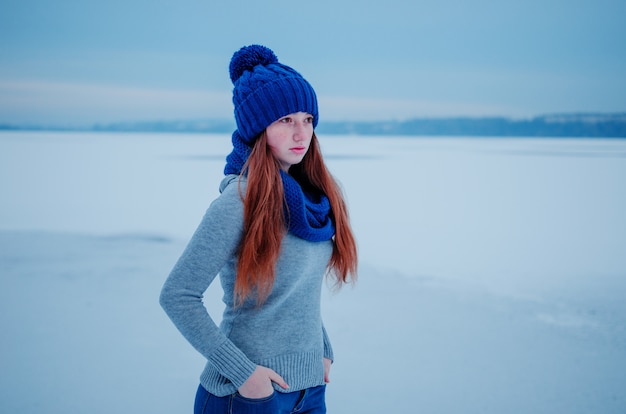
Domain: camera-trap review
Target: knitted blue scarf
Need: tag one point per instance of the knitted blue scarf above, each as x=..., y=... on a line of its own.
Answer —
x=308, y=215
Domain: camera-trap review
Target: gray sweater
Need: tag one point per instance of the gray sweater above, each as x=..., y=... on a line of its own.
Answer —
x=286, y=333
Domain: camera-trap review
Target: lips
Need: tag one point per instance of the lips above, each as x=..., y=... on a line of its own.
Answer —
x=298, y=150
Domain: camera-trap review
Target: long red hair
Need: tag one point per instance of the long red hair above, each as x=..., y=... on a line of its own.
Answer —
x=265, y=221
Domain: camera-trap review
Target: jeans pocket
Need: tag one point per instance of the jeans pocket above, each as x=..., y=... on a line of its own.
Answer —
x=244, y=405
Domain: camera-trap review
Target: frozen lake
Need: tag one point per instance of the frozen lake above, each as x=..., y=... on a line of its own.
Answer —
x=493, y=273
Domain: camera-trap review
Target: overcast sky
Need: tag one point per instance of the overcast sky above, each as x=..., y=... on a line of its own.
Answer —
x=84, y=61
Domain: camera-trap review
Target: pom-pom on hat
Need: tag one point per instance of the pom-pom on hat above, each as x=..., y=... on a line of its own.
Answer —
x=266, y=90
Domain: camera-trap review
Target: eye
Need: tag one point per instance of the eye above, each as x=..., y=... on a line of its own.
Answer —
x=285, y=120
x=309, y=120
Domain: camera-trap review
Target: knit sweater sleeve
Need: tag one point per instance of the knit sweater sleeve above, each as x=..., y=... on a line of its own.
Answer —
x=214, y=242
x=328, y=349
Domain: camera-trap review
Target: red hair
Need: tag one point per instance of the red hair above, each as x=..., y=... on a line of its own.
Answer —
x=265, y=222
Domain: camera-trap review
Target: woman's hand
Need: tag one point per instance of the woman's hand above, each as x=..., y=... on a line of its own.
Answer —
x=327, y=363
x=259, y=384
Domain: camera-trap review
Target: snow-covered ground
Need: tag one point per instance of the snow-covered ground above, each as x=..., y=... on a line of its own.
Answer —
x=492, y=277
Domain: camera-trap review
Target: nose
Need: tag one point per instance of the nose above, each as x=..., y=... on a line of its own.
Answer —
x=299, y=133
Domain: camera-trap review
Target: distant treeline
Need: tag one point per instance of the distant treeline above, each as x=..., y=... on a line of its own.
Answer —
x=560, y=125
x=211, y=125
x=567, y=125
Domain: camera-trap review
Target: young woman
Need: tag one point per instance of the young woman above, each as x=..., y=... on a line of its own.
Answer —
x=278, y=227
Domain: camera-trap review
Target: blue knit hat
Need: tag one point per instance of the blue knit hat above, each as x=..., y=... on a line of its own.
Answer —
x=266, y=90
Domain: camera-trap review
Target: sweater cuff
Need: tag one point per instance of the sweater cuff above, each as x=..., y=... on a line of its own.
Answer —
x=232, y=363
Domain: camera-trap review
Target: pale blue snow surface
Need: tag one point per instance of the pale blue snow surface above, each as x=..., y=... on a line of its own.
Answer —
x=492, y=275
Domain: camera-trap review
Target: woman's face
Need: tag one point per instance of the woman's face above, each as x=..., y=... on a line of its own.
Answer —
x=289, y=138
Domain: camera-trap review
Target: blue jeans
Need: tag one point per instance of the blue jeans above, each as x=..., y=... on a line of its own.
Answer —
x=308, y=401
